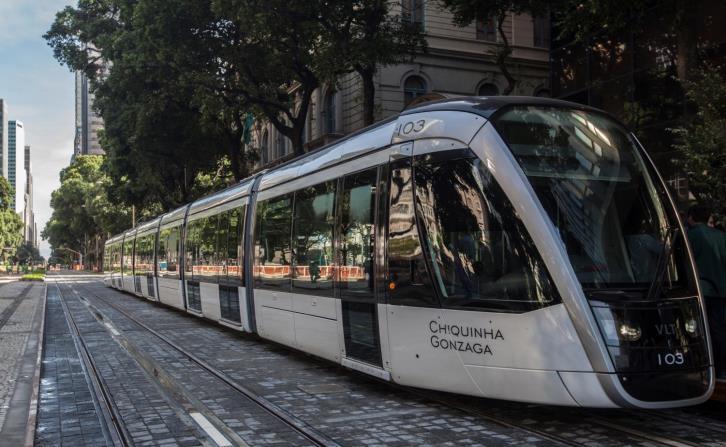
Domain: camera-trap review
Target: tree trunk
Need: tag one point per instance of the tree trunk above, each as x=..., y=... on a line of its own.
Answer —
x=369, y=94
x=687, y=38
x=502, y=56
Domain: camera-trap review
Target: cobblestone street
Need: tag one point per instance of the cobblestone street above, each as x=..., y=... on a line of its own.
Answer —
x=173, y=379
x=21, y=311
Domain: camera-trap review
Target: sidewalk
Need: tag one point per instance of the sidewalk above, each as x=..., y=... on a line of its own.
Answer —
x=21, y=320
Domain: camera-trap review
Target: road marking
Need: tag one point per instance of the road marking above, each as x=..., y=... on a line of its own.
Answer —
x=211, y=430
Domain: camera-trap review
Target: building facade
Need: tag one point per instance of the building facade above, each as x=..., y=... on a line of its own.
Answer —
x=30, y=228
x=3, y=138
x=459, y=62
x=88, y=123
x=16, y=157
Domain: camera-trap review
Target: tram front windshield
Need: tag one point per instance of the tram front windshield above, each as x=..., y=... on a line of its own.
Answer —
x=611, y=215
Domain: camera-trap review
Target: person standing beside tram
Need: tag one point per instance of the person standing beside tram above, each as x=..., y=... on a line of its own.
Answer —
x=709, y=252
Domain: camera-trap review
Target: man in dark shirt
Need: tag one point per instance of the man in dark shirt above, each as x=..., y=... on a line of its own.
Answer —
x=709, y=252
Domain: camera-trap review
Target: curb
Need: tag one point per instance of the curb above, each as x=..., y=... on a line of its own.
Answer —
x=33, y=407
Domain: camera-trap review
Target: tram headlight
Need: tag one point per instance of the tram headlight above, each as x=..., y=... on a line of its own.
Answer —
x=615, y=326
x=629, y=332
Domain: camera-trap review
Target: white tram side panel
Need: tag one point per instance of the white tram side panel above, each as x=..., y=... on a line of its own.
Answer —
x=285, y=313
x=214, y=257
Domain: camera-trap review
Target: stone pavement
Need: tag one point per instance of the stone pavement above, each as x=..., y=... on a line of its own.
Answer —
x=155, y=388
x=68, y=413
x=356, y=410
x=21, y=316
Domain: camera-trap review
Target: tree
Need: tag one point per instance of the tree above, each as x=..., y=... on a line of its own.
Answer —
x=702, y=141
x=11, y=226
x=470, y=11
x=83, y=211
x=27, y=254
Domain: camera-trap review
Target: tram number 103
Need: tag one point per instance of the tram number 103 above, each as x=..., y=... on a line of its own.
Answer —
x=670, y=359
x=410, y=127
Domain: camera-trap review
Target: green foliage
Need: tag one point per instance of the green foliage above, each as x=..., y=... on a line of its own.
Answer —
x=11, y=232
x=11, y=225
x=83, y=208
x=6, y=194
x=177, y=81
x=702, y=142
x=27, y=254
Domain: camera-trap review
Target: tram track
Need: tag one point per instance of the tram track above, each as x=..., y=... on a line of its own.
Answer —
x=639, y=435
x=303, y=429
x=643, y=435
x=100, y=392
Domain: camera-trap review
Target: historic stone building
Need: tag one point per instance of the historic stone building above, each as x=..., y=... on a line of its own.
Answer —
x=459, y=62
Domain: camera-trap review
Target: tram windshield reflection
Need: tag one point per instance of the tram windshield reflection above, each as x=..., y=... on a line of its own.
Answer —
x=596, y=188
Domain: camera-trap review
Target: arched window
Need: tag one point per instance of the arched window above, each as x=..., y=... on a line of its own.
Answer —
x=329, y=111
x=279, y=144
x=265, y=148
x=488, y=89
x=414, y=87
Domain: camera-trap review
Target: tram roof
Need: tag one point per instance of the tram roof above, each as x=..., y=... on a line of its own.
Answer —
x=487, y=106
x=148, y=226
x=236, y=191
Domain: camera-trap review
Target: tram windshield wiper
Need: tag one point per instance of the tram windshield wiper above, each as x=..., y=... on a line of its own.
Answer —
x=662, y=264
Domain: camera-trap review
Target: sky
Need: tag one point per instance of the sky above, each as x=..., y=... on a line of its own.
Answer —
x=39, y=92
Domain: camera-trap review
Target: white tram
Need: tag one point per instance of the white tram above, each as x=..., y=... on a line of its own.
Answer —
x=512, y=248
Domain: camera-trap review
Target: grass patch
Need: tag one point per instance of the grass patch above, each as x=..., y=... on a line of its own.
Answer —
x=33, y=277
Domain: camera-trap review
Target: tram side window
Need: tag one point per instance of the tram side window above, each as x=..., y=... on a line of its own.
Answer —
x=357, y=240
x=106, y=263
x=144, y=254
x=229, y=246
x=191, y=241
x=128, y=252
x=173, y=247
x=201, y=249
x=408, y=280
x=220, y=254
x=313, y=240
x=272, y=243
x=481, y=255
x=116, y=258
x=161, y=260
x=139, y=255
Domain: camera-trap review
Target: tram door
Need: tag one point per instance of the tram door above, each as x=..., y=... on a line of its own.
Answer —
x=355, y=255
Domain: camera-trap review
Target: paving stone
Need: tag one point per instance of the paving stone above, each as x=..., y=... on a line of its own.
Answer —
x=360, y=410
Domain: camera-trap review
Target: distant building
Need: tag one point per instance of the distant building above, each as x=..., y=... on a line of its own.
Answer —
x=16, y=139
x=459, y=62
x=3, y=138
x=88, y=123
x=29, y=225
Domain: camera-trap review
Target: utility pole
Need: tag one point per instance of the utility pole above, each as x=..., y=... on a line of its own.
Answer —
x=133, y=216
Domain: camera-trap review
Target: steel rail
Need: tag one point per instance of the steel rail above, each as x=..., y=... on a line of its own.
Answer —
x=110, y=415
x=301, y=427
